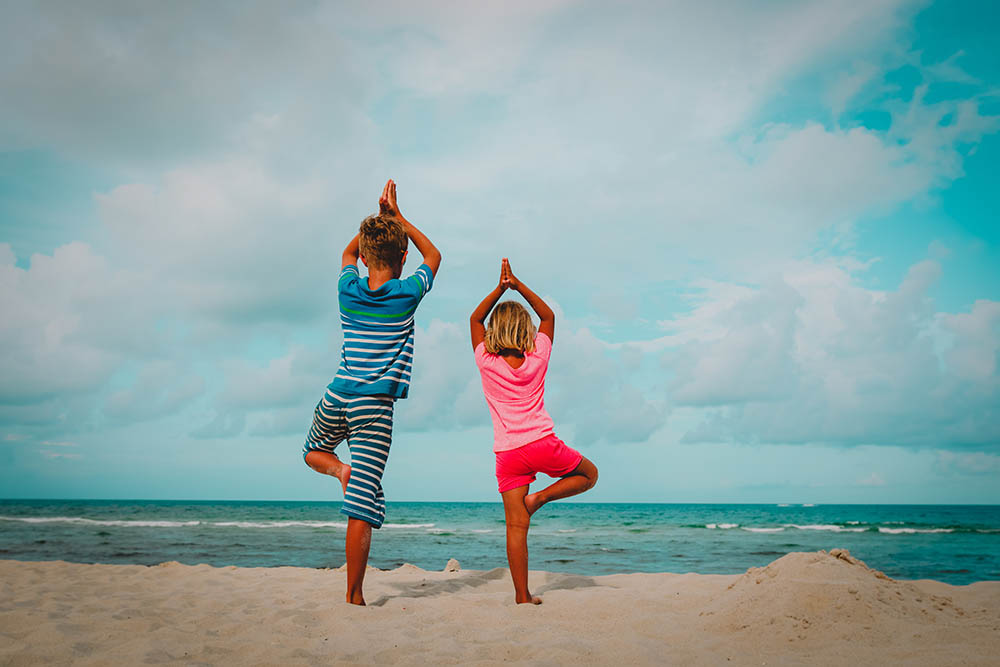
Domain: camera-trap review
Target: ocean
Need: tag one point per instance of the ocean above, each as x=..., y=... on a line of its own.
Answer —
x=958, y=544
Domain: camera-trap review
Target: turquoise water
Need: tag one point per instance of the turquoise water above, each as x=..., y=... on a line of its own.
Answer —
x=954, y=543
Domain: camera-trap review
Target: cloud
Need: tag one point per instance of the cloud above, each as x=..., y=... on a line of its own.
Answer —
x=611, y=153
x=815, y=358
x=162, y=83
x=160, y=388
x=59, y=455
x=966, y=463
x=873, y=479
x=273, y=399
x=750, y=360
x=72, y=319
x=590, y=387
x=975, y=341
x=227, y=243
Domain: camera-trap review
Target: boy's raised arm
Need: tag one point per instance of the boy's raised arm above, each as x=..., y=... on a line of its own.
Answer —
x=547, y=325
x=387, y=204
x=351, y=252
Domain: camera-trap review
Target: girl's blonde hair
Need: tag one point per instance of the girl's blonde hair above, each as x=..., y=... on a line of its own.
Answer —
x=510, y=328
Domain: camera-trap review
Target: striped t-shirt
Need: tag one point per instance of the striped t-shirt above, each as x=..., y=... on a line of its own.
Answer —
x=378, y=333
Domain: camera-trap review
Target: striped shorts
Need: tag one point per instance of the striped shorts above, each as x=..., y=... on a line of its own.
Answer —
x=366, y=423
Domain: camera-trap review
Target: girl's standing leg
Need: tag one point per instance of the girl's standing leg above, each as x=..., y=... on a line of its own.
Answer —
x=518, y=519
x=583, y=477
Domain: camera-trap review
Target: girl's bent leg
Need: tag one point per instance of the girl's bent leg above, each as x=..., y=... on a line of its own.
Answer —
x=358, y=543
x=517, y=518
x=583, y=477
x=327, y=463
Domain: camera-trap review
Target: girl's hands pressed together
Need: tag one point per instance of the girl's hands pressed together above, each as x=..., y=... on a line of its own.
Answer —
x=507, y=278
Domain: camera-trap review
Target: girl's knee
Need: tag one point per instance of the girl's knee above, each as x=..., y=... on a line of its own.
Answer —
x=588, y=470
x=519, y=523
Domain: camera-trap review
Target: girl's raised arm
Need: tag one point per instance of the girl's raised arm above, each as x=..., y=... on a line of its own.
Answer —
x=476, y=327
x=547, y=325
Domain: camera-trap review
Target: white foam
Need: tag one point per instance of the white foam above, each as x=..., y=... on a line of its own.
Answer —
x=281, y=524
x=782, y=504
x=181, y=524
x=722, y=526
x=566, y=530
x=910, y=531
x=827, y=527
x=808, y=504
x=481, y=530
x=762, y=530
x=96, y=522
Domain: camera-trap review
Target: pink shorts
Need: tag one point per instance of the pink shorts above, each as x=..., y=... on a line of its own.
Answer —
x=550, y=455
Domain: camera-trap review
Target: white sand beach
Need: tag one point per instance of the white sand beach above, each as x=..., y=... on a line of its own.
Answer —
x=804, y=608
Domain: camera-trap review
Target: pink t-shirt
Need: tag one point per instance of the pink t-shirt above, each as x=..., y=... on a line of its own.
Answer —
x=516, y=395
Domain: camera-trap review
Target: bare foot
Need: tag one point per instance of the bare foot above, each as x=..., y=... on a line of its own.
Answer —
x=344, y=476
x=531, y=599
x=532, y=502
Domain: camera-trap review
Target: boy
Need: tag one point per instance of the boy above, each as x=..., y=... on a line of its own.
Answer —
x=376, y=315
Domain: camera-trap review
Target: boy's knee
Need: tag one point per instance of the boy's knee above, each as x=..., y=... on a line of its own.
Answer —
x=314, y=460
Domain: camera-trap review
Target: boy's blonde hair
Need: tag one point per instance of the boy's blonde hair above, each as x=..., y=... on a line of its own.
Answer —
x=382, y=240
x=510, y=328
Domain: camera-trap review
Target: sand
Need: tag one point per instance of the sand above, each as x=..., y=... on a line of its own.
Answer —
x=804, y=608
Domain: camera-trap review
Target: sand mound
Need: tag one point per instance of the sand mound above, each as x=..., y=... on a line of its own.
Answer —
x=832, y=594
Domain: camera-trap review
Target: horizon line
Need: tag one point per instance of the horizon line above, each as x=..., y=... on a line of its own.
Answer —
x=495, y=502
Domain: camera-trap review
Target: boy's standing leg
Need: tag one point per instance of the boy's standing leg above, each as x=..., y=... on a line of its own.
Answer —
x=359, y=540
x=370, y=439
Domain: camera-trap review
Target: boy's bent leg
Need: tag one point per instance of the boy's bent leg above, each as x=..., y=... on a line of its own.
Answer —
x=357, y=545
x=583, y=477
x=517, y=519
x=328, y=463
x=329, y=428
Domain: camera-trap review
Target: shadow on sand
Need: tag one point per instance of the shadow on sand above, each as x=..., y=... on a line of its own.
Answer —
x=420, y=589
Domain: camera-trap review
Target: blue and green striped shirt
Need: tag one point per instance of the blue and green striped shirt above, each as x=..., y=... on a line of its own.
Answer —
x=378, y=333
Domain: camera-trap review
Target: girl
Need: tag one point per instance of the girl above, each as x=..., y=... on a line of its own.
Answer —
x=512, y=360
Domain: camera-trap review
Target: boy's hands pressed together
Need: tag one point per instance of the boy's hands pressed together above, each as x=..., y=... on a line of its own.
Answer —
x=387, y=202
x=387, y=206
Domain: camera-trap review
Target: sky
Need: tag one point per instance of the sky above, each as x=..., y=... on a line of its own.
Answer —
x=768, y=229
